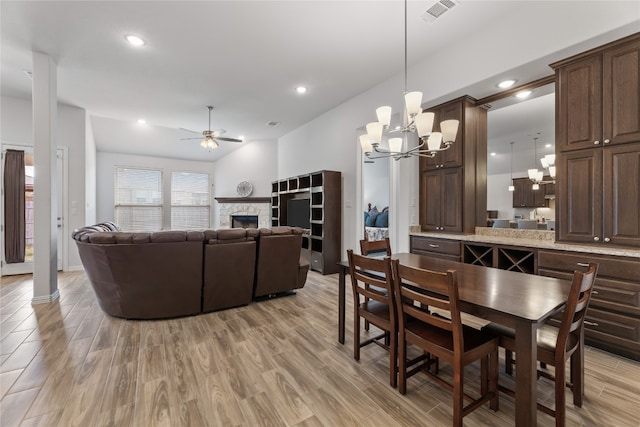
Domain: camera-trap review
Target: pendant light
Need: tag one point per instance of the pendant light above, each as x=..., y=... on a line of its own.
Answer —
x=511, y=186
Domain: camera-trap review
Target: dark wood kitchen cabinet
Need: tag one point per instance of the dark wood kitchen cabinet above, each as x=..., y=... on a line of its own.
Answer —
x=597, y=100
x=524, y=196
x=598, y=145
x=453, y=184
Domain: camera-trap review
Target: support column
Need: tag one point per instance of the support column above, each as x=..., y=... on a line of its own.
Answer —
x=45, y=121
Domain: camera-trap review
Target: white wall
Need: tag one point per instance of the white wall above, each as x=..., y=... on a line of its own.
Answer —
x=16, y=125
x=499, y=198
x=256, y=162
x=106, y=163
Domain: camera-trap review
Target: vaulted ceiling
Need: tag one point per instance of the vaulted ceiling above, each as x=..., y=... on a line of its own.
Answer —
x=244, y=57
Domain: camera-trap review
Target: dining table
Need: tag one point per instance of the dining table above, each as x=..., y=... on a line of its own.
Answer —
x=517, y=300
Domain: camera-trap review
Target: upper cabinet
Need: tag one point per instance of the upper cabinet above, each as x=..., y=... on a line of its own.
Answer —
x=453, y=184
x=598, y=97
x=598, y=145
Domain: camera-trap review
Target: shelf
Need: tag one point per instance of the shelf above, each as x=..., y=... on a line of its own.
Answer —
x=478, y=255
x=522, y=261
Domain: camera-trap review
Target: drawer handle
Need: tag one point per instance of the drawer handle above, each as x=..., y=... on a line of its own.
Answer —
x=586, y=322
x=583, y=264
x=431, y=245
x=606, y=141
x=596, y=142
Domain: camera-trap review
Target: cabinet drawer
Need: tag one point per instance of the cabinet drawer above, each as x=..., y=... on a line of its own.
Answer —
x=316, y=261
x=440, y=246
x=611, y=267
x=436, y=255
x=609, y=294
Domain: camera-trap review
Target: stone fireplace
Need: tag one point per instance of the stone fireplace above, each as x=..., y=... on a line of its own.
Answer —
x=241, y=207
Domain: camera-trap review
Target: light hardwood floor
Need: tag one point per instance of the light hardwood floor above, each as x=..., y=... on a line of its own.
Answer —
x=272, y=363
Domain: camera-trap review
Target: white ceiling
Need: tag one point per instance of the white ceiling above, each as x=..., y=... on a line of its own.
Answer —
x=243, y=57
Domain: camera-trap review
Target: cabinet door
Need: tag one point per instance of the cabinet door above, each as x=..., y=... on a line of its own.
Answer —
x=451, y=200
x=519, y=192
x=579, y=196
x=431, y=201
x=538, y=197
x=621, y=86
x=441, y=208
x=621, y=198
x=453, y=156
x=579, y=104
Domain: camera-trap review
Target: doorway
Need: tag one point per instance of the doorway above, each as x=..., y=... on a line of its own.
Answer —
x=26, y=267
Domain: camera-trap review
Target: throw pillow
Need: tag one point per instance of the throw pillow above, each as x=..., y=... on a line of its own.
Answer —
x=370, y=221
x=382, y=220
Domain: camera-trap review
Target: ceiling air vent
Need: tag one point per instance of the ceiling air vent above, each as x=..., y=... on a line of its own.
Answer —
x=437, y=9
x=272, y=123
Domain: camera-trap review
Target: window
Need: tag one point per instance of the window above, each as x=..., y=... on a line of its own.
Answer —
x=190, y=202
x=138, y=199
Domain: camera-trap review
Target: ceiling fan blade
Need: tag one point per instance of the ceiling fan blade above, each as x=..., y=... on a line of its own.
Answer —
x=189, y=130
x=184, y=139
x=219, y=132
x=229, y=139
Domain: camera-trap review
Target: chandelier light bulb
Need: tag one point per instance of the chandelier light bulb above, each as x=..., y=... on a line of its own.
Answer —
x=434, y=141
x=374, y=130
x=424, y=123
x=449, y=130
x=384, y=115
x=535, y=186
x=365, y=143
x=552, y=171
x=413, y=101
x=532, y=173
x=512, y=188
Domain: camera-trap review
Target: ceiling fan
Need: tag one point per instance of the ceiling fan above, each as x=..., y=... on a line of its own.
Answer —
x=211, y=137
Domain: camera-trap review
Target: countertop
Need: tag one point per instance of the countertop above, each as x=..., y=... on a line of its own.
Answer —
x=530, y=239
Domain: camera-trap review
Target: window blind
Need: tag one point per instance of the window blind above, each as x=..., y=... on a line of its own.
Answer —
x=138, y=199
x=190, y=201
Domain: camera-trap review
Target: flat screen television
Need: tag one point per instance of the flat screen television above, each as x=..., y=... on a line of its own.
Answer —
x=298, y=213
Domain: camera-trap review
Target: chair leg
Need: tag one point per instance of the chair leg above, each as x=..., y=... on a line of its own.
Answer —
x=356, y=335
x=402, y=364
x=508, y=361
x=393, y=359
x=559, y=390
x=458, y=397
x=366, y=325
x=577, y=376
x=494, y=403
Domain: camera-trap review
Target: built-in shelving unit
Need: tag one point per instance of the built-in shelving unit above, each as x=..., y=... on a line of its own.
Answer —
x=321, y=246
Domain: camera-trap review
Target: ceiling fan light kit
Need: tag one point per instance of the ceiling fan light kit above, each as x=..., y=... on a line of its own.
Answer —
x=211, y=137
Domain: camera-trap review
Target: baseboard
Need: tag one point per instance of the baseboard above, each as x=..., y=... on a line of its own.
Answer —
x=47, y=298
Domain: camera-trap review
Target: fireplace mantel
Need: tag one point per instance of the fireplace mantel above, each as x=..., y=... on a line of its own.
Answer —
x=243, y=199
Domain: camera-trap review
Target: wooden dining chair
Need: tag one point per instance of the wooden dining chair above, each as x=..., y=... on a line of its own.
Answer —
x=373, y=300
x=443, y=337
x=558, y=344
x=372, y=247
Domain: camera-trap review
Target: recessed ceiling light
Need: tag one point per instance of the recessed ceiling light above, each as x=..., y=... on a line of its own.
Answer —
x=523, y=94
x=134, y=40
x=142, y=121
x=493, y=154
x=548, y=145
x=507, y=83
x=301, y=89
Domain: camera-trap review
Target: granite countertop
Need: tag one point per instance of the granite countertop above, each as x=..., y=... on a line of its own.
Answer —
x=530, y=239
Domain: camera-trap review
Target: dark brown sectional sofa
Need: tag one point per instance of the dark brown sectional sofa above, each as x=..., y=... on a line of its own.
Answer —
x=168, y=274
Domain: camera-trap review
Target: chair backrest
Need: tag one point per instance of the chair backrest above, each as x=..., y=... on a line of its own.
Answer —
x=370, y=247
x=441, y=292
x=501, y=223
x=528, y=224
x=369, y=276
x=577, y=304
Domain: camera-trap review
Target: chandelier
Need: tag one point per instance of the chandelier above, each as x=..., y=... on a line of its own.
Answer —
x=547, y=161
x=413, y=120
